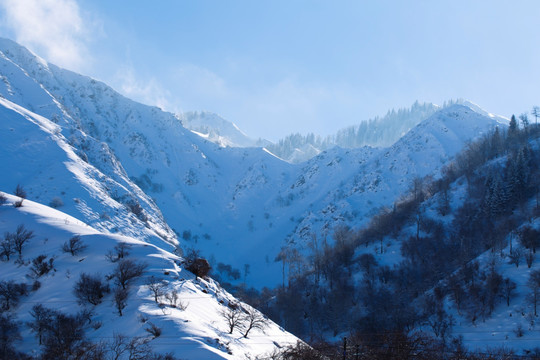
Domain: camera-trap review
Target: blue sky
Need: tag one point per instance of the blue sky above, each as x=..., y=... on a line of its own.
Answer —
x=276, y=67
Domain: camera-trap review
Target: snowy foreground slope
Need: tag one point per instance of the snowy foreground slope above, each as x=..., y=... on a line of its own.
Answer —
x=212, y=198
x=197, y=332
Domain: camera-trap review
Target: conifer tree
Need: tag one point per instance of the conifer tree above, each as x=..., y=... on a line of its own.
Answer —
x=513, y=124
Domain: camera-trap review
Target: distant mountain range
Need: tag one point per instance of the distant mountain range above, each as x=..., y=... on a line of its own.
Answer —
x=296, y=148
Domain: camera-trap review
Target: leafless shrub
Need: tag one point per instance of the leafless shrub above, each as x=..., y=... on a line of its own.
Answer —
x=90, y=289
x=153, y=330
x=74, y=246
x=127, y=270
x=14, y=242
x=121, y=250
x=20, y=192
x=56, y=202
x=156, y=287
x=41, y=267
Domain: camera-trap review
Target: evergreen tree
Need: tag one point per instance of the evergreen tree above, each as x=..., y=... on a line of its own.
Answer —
x=513, y=125
x=518, y=174
x=496, y=195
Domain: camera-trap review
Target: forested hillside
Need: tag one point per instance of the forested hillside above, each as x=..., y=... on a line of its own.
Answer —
x=377, y=132
x=449, y=271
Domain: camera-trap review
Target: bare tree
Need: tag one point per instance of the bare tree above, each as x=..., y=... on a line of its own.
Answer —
x=20, y=237
x=42, y=317
x=508, y=287
x=118, y=346
x=254, y=320
x=529, y=238
x=120, y=299
x=174, y=301
x=138, y=349
x=121, y=250
x=367, y=263
x=156, y=287
x=515, y=256
x=534, y=284
x=524, y=120
x=127, y=270
x=529, y=258
x=283, y=257
x=300, y=351
x=7, y=246
x=90, y=289
x=63, y=336
x=10, y=292
x=234, y=317
x=74, y=246
x=9, y=333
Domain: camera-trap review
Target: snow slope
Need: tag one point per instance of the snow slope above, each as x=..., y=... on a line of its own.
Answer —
x=198, y=332
x=36, y=154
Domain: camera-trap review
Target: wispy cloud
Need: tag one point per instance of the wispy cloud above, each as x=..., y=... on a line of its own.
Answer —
x=147, y=91
x=269, y=109
x=55, y=29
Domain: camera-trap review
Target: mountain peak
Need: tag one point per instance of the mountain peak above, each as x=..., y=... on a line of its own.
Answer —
x=216, y=129
x=20, y=54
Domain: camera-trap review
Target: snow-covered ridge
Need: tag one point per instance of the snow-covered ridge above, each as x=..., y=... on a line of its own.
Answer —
x=53, y=171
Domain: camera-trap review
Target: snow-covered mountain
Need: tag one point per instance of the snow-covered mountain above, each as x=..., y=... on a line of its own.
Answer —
x=297, y=148
x=130, y=171
x=215, y=198
x=56, y=161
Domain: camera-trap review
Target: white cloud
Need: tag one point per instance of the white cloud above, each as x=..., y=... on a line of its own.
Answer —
x=200, y=81
x=54, y=29
x=147, y=91
x=267, y=109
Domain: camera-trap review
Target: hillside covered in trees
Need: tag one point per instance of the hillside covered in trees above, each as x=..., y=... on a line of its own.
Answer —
x=450, y=270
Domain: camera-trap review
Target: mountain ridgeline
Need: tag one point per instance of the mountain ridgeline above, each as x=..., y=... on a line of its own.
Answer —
x=407, y=233
x=296, y=148
x=378, y=132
